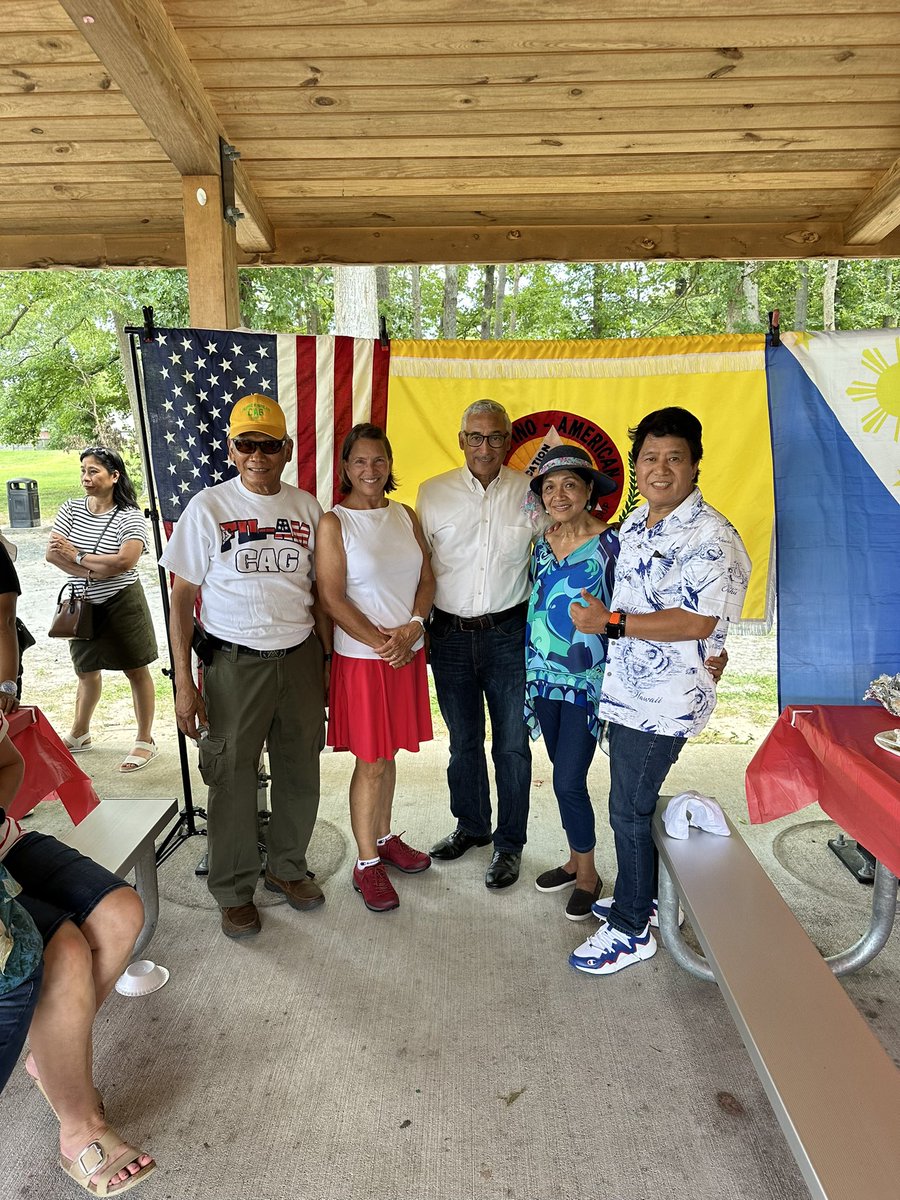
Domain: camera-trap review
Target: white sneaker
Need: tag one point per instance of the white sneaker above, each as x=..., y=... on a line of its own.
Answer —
x=609, y=950
x=600, y=908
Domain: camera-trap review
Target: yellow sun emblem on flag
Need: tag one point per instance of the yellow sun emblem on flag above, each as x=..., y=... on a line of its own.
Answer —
x=885, y=391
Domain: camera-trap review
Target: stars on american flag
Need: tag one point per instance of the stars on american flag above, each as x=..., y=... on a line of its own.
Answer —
x=191, y=381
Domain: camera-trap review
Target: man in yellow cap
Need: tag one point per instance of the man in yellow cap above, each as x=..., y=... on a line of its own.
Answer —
x=246, y=546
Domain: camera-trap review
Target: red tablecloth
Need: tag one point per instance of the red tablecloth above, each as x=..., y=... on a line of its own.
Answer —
x=826, y=753
x=50, y=769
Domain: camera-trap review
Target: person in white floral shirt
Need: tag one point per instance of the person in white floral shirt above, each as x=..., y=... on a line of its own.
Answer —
x=681, y=577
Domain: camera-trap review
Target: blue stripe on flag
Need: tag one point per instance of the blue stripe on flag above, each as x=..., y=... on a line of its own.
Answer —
x=837, y=549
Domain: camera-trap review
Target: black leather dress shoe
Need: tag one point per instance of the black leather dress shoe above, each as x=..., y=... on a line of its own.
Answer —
x=455, y=844
x=503, y=871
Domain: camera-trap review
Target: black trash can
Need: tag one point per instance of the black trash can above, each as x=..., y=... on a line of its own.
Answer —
x=24, y=503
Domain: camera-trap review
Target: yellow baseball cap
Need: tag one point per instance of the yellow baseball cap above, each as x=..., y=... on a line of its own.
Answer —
x=257, y=414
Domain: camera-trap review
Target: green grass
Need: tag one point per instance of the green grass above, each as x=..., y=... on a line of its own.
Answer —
x=58, y=475
x=56, y=472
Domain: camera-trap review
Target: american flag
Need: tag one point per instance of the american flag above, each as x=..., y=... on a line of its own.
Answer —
x=193, y=377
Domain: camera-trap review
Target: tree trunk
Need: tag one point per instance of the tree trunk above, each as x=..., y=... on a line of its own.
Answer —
x=517, y=272
x=801, y=308
x=355, y=303
x=487, y=302
x=596, y=301
x=415, y=294
x=750, y=293
x=451, y=294
x=829, y=288
x=311, y=309
x=498, y=304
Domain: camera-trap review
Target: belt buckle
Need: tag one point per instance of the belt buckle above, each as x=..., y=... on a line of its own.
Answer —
x=271, y=653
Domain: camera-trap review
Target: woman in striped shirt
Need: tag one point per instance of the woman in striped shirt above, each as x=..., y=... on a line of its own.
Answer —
x=98, y=540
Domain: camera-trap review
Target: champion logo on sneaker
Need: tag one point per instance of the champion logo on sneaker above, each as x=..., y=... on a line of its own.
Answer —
x=610, y=950
x=600, y=908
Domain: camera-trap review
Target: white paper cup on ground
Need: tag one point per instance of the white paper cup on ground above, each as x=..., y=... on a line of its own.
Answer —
x=141, y=978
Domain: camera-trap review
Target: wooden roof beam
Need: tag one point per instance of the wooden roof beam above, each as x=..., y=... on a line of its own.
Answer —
x=136, y=42
x=879, y=214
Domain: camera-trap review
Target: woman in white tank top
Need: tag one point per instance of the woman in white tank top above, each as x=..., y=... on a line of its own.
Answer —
x=374, y=579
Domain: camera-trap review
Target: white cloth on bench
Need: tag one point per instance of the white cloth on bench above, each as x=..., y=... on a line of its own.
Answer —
x=690, y=808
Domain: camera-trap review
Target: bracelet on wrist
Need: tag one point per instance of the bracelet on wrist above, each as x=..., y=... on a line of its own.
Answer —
x=418, y=620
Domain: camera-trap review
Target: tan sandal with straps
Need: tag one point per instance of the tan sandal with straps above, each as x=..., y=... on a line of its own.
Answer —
x=95, y=1157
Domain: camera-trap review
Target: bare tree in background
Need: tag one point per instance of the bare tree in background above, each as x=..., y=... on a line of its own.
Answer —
x=451, y=294
x=415, y=295
x=517, y=273
x=487, y=301
x=498, y=303
x=355, y=302
x=801, y=308
x=829, y=288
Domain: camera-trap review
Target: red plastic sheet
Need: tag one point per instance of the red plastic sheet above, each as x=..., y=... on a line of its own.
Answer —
x=827, y=754
x=50, y=769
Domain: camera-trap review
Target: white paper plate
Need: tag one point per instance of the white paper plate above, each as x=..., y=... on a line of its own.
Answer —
x=141, y=978
x=889, y=740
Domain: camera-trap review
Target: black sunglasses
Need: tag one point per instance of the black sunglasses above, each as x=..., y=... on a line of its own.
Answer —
x=267, y=445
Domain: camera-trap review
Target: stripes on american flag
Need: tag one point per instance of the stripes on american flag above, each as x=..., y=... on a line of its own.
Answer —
x=193, y=377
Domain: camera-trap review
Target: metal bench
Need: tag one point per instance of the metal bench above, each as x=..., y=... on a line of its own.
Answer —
x=832, y=1086
x=121, y=834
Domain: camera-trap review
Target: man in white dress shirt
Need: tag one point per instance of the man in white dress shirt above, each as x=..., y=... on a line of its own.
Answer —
x=480, y=543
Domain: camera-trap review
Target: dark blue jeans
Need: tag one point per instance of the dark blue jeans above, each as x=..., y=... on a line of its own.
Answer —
x=571, y=747
x=16, y=1008
x=471, y=667
x=638, y=765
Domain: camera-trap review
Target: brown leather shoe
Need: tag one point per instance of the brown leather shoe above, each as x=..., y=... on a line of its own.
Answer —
x=240, y=921
x=302, y=894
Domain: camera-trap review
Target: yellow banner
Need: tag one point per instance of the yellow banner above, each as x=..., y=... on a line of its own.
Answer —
x=590, y=394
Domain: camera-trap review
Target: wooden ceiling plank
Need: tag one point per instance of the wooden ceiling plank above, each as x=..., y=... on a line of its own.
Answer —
x=24, y=79
x=17, y=176
x=519, y=244
x=548, y=146
x=501, y=167
x=570, y=244
x=135, y=40
x=24, y=253
x=759, y=119
x=473, y=71
x=63, y=46
x=593, y=184
x=591, y=36
x=879, y=213
x=543, y=97
x=262, y=13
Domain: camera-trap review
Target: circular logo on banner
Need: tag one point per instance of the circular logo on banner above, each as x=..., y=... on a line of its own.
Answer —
x=535, y=434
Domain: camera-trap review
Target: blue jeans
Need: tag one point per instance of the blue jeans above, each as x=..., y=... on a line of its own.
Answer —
x=16, y=1008
x=638, y=765
x=571, y=747
x=471, y=667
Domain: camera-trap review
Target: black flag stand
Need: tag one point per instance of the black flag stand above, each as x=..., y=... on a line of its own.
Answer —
x=186, y=826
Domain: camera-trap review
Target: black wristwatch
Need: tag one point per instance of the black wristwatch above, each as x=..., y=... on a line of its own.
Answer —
x=615, y=626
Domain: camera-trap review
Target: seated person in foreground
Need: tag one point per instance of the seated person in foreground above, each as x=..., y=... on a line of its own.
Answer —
x=89, y=920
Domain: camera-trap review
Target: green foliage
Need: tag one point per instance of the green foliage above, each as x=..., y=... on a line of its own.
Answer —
x=59, y=356
x=56, y=472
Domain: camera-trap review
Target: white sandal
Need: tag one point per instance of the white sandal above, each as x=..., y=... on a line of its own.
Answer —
x=133, y=763
x=76, y=745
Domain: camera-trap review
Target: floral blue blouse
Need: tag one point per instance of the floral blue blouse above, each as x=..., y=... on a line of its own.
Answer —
x=560, y=662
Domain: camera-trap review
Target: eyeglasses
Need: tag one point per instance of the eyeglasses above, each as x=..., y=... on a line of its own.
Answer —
x=494, y=440
x=267, y=445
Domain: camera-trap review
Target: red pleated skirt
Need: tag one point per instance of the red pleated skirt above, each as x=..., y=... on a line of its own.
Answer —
x=376, y=710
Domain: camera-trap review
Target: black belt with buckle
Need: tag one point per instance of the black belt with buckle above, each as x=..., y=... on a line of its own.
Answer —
x=229, y=646
x=488, y=621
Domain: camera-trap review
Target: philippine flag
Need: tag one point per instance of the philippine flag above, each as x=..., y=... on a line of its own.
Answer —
x=834, y=407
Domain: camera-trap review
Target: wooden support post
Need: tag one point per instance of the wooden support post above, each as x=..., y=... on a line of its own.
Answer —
x=210, y=249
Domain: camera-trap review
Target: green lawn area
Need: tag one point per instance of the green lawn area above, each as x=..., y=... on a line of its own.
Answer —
x=56, y=472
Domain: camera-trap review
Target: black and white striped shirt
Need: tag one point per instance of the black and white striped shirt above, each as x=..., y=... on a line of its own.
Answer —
x=76, y=522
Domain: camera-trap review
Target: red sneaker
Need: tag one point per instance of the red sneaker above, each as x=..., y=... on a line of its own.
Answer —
x=396, y=853
x=375, y=888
